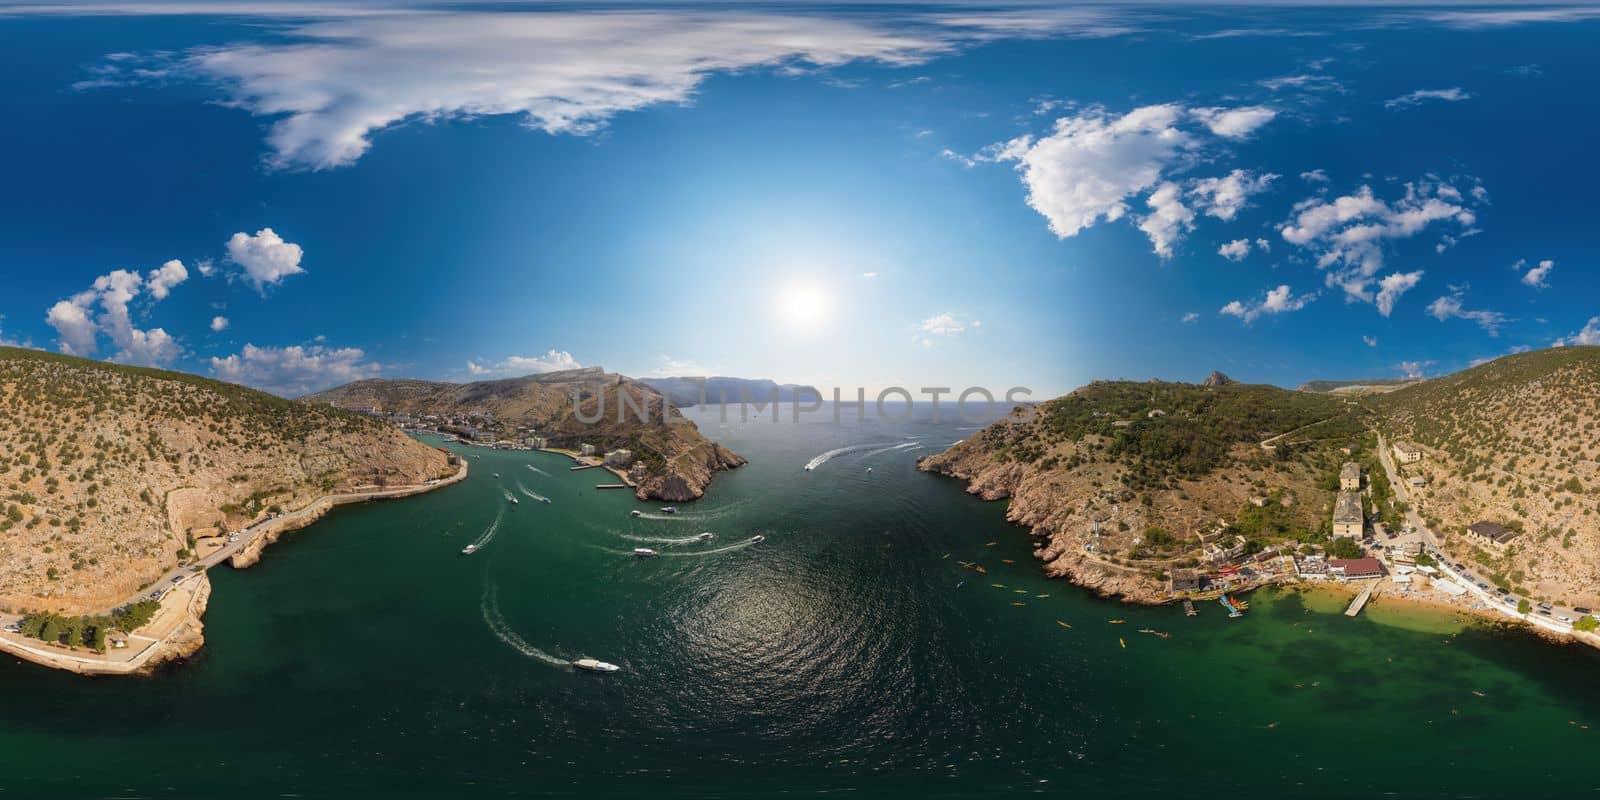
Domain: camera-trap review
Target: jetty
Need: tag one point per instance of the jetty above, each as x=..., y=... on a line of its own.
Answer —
x=1188, y=609
x=612, y=486
x=583, y=467
x=1361, y=600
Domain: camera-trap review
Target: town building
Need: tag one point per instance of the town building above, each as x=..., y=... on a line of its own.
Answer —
x=536, y=442
x=1350, y=477
x=1218, y=552
x=586, y=449
x=620, y=457
x=1311, y=567
x=1187, y=580
x=1491, y=534
x=1355, y=568
x=1348, y=518
x=1407, y=453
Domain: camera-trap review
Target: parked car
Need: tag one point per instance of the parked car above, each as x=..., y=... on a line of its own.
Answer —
x=1544, y=612
x=1546, y=607
x=1582, y=610
x=1567, y=620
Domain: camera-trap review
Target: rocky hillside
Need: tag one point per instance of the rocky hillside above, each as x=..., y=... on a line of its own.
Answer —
x=111, y=475
x=1117, y=478
x=1515, y=441
x=674, y=461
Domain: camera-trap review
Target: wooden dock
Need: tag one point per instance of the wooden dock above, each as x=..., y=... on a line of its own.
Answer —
x=1361, y=600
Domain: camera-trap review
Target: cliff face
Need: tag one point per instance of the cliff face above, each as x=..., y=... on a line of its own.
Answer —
x=673, y=460
x=1116, y=480
x=108, y=472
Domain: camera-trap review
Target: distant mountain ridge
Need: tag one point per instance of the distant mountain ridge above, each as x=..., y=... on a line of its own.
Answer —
x=690, y=391
x=674, y=462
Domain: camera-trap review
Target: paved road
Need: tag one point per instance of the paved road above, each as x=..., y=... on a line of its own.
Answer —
x=1463, y=574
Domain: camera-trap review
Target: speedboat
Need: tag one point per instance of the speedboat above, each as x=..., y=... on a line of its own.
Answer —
x=635, y=513
x=869, y=469
x=705, y=537
x=497, y=474
x=670, y=510
x=515, y=501
x=469, y=549
x=644, y=552
x=757, y=539
x=595, y=665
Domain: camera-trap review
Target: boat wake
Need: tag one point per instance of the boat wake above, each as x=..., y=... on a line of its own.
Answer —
x=698, y=553
x=892, y=448
x=540, y=471
x=489, y=532
x=502, y=630
x=530, y=493
x=839, y=451
x=661, y=539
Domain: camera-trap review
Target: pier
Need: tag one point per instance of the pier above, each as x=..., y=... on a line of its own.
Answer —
x=1188, y=609
x=1361, y=600
x=584, y=466
x=612, y=486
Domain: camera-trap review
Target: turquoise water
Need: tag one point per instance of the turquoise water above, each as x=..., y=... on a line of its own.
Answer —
x=365, y=657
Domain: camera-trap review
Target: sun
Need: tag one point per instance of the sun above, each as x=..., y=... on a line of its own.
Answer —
x=803, y=305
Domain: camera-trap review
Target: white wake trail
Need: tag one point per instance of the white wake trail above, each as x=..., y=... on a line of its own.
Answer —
x=489, y=532
x=502, y=630
x=530, y=493
x=837, y=451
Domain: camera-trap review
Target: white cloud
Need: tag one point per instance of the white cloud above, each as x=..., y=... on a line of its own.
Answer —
x=1225, y=197
x=4, y=342
x=1234, y=123
x=1169, y=219
x=1452, y=95
x=295, y=370
x=162, y=279
x=1309, y=82
x=265, y=257
x=1495, y=18
x=219, y=324
x=78, y=325
x=1276, y=301
x=946, y=325
x=1348, y=234
x=329, y=84
x=1392, y=286
x=1449, y=307
x=869, y=275
x=207, y=267
x=1536, y=277
x=552, y=361
x=1315, y=176
x=1235, y=250
x=1088, y=169
x=1590, y=335
x=1192, y=316
x=1371, y=341
x=1414, y=369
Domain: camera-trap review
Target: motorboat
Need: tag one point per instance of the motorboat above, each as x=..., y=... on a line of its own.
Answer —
x=705, y=537
x=869, y=469
x=635, y=513
x=497, y=474
x=757, y=539
x=515, y=501
x=469, y=549
x=595, y=665
x=644, y=552
x=670, y=510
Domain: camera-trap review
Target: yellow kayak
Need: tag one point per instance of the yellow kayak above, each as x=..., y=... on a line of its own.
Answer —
x=1019, y=604
x=998, y=585
x=1123, y=642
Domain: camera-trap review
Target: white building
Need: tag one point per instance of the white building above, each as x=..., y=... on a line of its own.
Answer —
x=1348, y=518
x=586, y=449
x=620, y=457
x=1407, y=453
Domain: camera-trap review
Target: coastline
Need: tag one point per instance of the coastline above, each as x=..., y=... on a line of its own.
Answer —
x=177, y=630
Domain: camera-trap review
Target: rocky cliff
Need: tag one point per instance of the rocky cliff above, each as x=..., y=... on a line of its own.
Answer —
x=673, y=461
x=112, y=475
x=1117, y=480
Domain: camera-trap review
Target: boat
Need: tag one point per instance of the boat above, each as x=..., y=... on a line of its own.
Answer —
x=960, y=584
x=595, y=665
x=514, y=501
x=1008, y=561
x=644, y=552
x=1063, y=624
x=1116, y=621
x=670, y=510
x=869, y=469
x=1018, y=604
x=1233, y=610
x=980, y=570
x=635, y=513
x=1123, y=642
x=1156, y=633
x=705, y=537
x=497, y=474
x=757, y=539
x=469, y=549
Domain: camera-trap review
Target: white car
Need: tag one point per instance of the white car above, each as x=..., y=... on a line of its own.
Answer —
x=1567, y=620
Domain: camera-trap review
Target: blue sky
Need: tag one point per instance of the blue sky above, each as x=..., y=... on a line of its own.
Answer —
x=293, y=196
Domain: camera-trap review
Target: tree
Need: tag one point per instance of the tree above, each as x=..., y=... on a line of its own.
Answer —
x=1586, y=623
x=1345, y=547
x=1523, y=606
